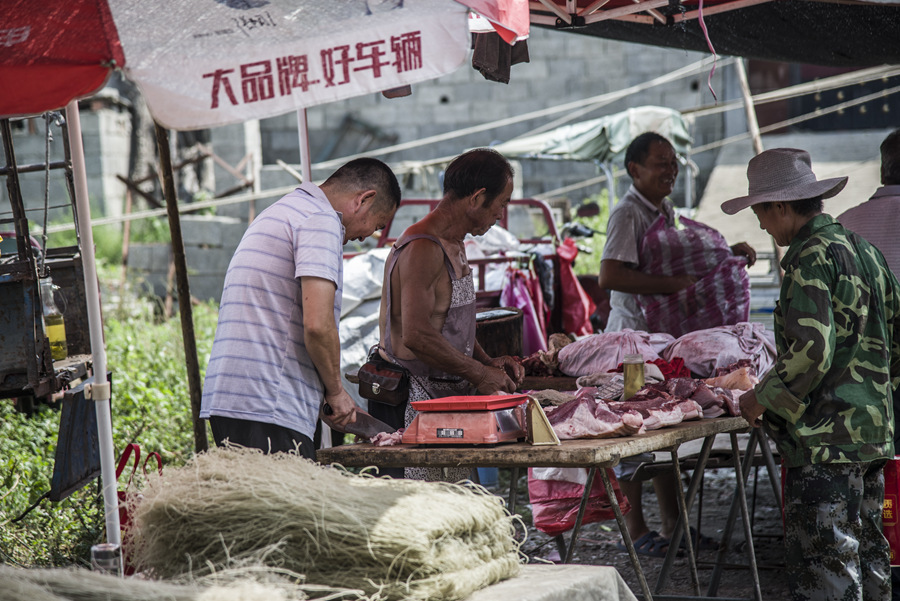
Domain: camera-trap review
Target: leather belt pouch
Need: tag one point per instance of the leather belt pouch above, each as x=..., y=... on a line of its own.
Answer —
x=382, y=381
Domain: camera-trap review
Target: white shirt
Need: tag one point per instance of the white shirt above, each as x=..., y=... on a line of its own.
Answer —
x=259, y=368
x=628, y=222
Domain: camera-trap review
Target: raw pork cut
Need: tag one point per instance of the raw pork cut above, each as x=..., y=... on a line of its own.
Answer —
x=586, y=417
x=383, y=439
x=711, y=404
x=739, y=379
x=730, y=399
x=658, y=408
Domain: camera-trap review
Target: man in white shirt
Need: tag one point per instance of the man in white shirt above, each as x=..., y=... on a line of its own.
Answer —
x=653, y=167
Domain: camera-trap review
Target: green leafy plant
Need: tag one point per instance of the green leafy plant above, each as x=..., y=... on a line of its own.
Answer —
x=588, y=263
x=150, y=406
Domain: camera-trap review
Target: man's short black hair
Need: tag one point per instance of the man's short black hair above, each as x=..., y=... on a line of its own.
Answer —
x=890, y=159
x=480, y=168
x=639, y=148
x=368, y=173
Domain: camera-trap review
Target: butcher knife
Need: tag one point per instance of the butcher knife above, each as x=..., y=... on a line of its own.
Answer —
x=365, y=425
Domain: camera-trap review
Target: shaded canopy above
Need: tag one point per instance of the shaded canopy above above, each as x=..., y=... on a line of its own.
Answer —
x=603, y=139
x=838, y=34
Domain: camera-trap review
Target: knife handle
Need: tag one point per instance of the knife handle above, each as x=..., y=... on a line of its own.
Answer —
x=326, y=409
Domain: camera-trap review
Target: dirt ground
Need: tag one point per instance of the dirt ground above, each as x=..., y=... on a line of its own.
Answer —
x=597, y=542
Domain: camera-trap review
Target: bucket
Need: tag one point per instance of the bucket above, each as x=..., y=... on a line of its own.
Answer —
x=488, y=476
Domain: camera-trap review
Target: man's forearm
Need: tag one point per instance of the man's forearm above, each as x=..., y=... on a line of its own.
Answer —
x=434, y=351
x=324, y=348
x=614, y=275
x=479, y=355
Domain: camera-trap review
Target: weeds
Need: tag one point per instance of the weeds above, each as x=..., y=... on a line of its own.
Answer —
x=150, y=406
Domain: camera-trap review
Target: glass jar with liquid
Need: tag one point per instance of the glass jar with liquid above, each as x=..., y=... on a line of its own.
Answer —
x=633, y=372
x=106, y=558
x=54, y=324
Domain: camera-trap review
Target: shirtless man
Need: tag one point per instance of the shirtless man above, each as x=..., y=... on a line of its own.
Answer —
x=427, y=318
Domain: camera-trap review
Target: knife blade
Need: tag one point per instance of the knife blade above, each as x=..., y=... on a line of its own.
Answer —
x=365, y=425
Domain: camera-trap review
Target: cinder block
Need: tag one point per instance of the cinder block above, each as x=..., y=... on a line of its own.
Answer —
x=205, y=261
x=203, y=230
x=149, y=257
x=206, y=287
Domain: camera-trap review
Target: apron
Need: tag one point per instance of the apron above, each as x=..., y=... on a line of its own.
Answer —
x=427, y=382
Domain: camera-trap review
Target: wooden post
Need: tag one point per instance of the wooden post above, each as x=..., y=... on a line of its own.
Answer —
x=749, y=107
x=201, y=443
x=126, y=241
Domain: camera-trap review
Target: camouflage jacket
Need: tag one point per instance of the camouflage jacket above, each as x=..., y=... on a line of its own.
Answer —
x=837, y=329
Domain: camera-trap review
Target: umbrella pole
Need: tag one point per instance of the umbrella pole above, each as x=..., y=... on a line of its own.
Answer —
x=99, y=390
x=201, y=442
x=306, y=172
x=305, y=160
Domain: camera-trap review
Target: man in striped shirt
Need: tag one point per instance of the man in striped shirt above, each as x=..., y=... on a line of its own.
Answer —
x=276, y=354
x=878, y=219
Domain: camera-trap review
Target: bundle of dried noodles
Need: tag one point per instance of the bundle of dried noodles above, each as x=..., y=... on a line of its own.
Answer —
x=244, y=584
x=394, y=539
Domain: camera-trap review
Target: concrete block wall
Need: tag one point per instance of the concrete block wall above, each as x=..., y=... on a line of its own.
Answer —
x=563, y=68
x=107, y=147
x=209, y=243
x=106, y=131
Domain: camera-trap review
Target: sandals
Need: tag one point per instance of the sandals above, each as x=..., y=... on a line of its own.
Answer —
x=703, y=543
x=651, y=544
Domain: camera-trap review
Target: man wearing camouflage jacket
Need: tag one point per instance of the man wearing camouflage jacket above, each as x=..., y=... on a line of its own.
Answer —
x=827, y=400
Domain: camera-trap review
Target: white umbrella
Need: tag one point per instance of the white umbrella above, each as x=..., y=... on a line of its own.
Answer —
x=203, y=64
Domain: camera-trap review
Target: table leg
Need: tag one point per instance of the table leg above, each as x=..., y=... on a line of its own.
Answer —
x=626, y=538
x=585, y=498
x=513, y=489
x=693, y=488
x=748, y=532
x=774, y=472
x=740, y=498
x=685, y=520
x=740, y=474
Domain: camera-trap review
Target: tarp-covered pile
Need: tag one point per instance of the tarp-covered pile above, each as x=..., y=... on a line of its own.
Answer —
x=394, y=539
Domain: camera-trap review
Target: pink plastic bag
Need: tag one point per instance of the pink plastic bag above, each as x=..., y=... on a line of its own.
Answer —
x=555, y=503
x=721, y=296
x=516, y=293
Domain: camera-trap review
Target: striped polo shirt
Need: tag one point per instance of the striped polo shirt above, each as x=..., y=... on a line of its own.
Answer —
x=259, y=368
x=878, y=221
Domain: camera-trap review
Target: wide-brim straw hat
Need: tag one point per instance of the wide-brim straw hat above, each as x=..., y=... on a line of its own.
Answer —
x=783, y=175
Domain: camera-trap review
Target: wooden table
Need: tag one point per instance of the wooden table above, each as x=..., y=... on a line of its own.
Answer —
x=588, y=453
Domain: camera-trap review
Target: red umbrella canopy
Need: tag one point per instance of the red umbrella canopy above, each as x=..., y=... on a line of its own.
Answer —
x=54, y=51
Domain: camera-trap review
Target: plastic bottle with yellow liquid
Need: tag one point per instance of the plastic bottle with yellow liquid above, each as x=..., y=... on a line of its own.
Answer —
x=633, y=372
x=54, y=324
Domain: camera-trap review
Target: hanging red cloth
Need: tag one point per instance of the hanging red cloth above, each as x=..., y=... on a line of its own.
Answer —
x=577, y=305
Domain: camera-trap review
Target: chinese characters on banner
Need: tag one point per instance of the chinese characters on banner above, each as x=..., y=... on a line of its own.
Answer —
x=335, y=66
